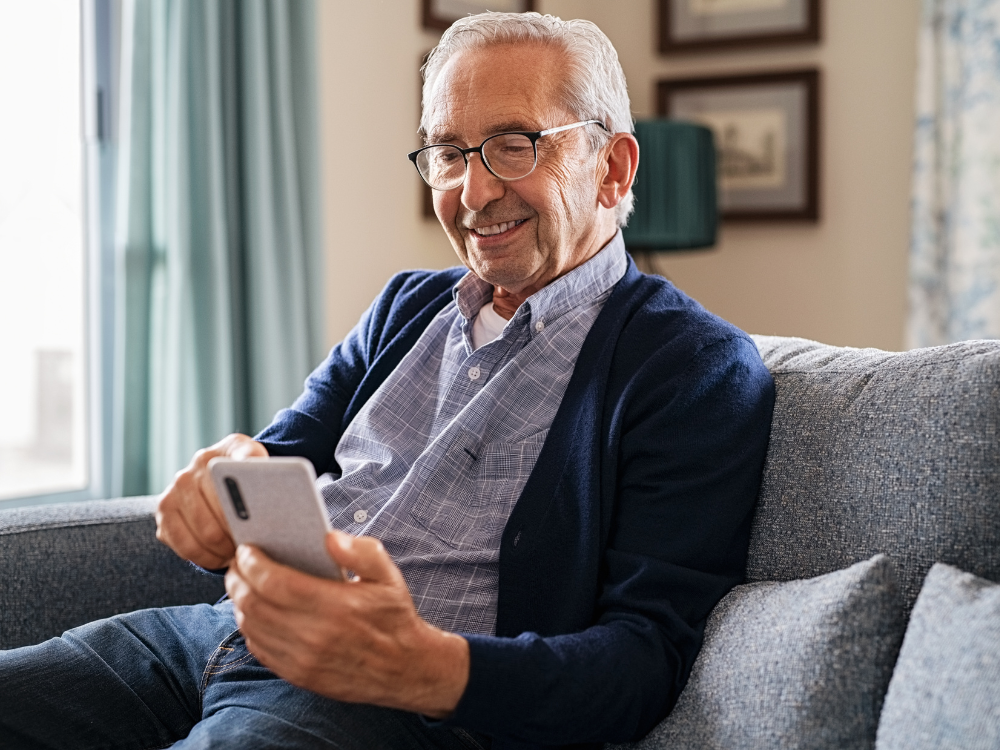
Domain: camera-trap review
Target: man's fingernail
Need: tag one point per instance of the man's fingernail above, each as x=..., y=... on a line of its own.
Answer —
x=346, y=541
x=243, y=553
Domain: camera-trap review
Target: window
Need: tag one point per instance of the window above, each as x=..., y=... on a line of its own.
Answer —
x=52, y=298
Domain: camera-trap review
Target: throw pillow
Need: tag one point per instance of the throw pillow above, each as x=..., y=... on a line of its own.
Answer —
x=945, y=692
x=872, y=451
x=792, y=665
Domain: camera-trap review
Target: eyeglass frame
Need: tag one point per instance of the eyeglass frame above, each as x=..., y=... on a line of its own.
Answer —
x=532, y=135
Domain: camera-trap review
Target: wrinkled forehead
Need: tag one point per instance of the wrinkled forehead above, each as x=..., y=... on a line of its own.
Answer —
x=480, y=92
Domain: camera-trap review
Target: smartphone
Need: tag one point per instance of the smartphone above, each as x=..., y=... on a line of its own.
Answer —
x=273, y=504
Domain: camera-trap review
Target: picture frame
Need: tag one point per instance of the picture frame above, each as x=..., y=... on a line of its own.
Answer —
x=440, y=14
x=702, y=25
x=767, y=132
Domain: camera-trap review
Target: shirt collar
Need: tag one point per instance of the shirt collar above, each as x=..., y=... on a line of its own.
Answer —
x=583, y=285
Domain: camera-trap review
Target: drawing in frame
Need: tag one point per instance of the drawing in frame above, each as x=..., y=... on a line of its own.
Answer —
x=696, y=25
x=766, y=128
x=440, y=14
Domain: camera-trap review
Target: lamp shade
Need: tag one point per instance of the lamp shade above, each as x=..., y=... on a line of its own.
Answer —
x=675, y=188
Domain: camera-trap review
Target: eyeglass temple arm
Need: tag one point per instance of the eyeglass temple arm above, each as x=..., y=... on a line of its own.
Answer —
x=573, y=125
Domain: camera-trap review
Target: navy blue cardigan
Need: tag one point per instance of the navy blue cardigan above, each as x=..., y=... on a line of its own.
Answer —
x=633, y=525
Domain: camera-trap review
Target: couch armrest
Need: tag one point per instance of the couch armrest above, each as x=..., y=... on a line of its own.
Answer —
x=64, y=565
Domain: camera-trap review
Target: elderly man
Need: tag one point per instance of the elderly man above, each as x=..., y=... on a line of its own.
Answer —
x=544, y=464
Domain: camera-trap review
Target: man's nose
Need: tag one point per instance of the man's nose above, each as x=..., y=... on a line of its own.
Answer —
x=481, y=186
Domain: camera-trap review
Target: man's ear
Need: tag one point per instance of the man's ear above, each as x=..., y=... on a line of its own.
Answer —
x=621, y=155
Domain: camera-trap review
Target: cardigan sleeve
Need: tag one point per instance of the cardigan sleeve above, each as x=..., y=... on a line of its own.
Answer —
x=311, y=427
x=335, y=390
x=692, y=446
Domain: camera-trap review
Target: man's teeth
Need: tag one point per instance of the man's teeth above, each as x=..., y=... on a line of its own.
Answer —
x=497, y=228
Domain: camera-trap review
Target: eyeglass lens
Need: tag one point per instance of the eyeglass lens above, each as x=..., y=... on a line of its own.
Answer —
x=509, y=156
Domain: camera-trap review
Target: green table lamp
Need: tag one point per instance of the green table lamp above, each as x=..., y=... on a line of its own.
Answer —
x=675, y=188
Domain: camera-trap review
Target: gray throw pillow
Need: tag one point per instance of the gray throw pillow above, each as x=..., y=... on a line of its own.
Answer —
x=945, y=692
x=872, y=451
x=799, y=664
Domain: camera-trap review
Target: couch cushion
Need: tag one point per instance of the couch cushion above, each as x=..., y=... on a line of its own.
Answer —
x=65, y=565
x=945, y=692
x=875, y=451
x=793, y=664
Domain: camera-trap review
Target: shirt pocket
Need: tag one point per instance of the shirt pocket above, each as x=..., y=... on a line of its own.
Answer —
x=466, y=499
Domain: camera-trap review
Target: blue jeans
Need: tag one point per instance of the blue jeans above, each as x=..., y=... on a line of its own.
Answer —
x=182, y=677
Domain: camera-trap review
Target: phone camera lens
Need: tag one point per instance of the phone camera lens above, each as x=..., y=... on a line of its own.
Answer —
x=237, y=498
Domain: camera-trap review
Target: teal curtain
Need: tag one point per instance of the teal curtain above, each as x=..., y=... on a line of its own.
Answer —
x=218, y=297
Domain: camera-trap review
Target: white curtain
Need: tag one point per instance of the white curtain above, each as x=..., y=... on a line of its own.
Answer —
x=955, y=244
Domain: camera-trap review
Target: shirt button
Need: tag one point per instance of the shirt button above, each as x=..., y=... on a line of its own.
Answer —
x=540, y=326
x=360, y=516
x=474, y=373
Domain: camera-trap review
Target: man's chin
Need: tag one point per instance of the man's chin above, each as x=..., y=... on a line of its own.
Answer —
x=512, y=276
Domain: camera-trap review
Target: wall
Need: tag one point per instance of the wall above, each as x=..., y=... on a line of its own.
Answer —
x=842, y=281
x=369, y=97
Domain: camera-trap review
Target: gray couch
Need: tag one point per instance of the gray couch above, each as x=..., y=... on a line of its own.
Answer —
x=880, y=465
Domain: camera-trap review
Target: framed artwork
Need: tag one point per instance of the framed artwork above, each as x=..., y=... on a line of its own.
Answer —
x=694, y=25
x=440, y=14
x=766, y=129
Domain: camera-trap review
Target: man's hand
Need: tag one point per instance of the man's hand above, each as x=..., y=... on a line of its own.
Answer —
x=358, y=641
x=188, y=517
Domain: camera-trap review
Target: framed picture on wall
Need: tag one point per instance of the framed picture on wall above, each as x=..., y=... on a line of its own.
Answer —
x=766, y=129
x=440, y=14
x=694, y=25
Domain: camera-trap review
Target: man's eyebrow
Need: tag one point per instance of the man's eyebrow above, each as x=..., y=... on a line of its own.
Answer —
x=507, y=126
x=441, y=137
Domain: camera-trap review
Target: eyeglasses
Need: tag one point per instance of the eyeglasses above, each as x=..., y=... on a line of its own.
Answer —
x=508, y=156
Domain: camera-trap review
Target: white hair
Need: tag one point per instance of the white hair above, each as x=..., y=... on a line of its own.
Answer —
x=594, y=88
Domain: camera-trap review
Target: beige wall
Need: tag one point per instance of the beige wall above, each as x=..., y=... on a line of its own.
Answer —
x=369, y=56
x=842, y=281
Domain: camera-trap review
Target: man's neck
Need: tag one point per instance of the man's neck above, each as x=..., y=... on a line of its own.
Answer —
x=505, y=303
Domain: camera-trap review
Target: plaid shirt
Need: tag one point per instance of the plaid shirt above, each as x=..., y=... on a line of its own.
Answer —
x=436, y=459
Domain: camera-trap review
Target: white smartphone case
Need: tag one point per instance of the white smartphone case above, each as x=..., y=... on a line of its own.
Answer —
x=273, y=504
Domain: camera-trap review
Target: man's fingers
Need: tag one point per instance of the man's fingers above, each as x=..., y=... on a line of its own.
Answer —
x=189, y=518
x=264, y=616
x=210, y=501
x=215, y=548
x=173, y=529
x=204, y=520
x=235, y=445
x=276, y=583
x=189, y=548
x=215, y=532
x=248, y=449
x=189, y=529
x=364, y=555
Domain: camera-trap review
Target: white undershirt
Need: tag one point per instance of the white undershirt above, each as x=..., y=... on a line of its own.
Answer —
x=487, y=326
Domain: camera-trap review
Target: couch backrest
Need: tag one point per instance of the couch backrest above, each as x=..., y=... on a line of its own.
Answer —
x=875, y=451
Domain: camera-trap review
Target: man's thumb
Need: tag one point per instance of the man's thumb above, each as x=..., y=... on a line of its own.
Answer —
x=364, y=555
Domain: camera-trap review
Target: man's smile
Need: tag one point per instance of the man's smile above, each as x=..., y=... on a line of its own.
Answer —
x=495, y=229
